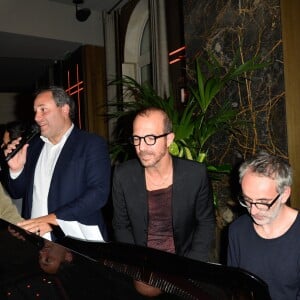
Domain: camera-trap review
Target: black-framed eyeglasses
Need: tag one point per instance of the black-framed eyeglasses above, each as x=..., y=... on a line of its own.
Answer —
x=149, y=139
x=259, y=205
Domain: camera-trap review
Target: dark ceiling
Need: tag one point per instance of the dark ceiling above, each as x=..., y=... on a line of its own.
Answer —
x=23, y=59
x=19, y=71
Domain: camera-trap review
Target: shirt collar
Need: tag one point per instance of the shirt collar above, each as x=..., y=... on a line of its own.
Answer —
x=63, y=139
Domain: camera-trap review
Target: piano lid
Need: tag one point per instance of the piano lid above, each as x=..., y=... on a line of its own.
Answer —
x=34, y=268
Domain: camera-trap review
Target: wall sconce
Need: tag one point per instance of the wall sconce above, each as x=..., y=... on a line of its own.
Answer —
x=82, y=14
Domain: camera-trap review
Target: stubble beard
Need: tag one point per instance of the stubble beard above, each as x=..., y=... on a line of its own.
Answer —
x=152, y=159
x=268, y=217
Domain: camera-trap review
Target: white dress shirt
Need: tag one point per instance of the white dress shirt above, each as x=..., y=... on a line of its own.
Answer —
x=43, y=175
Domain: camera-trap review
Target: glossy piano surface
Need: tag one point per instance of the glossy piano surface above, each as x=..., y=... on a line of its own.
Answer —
x=34, y=268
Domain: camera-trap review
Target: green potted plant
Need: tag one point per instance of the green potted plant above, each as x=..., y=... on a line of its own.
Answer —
x=205, y=114
x=195, y=122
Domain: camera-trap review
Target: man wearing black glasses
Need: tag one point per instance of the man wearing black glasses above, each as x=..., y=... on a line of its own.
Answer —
x=266, y=241
x=161, y=201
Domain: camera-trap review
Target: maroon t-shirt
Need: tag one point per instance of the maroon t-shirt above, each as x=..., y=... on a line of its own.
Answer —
x=160, y=227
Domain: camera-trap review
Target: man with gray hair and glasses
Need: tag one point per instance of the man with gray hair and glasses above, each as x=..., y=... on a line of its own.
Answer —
x=266, y=241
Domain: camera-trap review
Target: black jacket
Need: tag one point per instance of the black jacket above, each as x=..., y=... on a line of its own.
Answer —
x=192, y=207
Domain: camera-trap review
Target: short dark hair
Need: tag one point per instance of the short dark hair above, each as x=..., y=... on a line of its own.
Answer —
x=61, y=98
x=166, y=120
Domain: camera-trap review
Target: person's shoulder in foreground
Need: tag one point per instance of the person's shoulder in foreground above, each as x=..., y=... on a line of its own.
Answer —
x=8, y=211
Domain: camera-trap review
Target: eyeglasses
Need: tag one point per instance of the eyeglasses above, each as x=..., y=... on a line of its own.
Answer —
x=149, y=139
x=259, y=205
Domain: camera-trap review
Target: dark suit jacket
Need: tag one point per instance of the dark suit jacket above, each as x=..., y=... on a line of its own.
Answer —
x=80, y=182
x=192, y=207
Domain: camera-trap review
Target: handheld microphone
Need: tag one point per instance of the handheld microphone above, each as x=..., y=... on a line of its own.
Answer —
x=26, y=137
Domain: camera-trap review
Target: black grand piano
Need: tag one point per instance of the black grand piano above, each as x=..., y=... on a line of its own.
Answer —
x=34, y=268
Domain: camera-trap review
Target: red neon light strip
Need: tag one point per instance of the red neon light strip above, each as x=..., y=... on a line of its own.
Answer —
x=177, y=50
x=174, y=61
x=74, y=86
x=76, y=92
x=78, y=97
x=76, y=89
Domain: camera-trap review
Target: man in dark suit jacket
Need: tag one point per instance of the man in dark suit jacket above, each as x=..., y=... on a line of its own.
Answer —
x=65, y=174
x=161, y=201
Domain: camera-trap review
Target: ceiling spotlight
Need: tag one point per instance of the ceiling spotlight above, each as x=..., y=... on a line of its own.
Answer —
x=82, y=14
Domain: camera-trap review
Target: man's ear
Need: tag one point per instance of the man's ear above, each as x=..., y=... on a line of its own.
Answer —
x=286, y=194
x=170, y=138
x=66, y=109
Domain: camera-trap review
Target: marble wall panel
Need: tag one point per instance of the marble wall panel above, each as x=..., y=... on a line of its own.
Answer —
x=222, y=27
